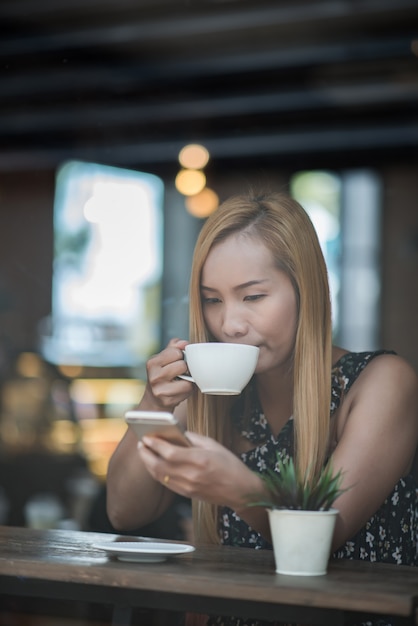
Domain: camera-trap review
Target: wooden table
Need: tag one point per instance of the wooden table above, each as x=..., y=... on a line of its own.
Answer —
x=219, y=580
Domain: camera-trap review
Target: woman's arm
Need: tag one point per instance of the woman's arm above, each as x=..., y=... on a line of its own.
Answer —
x=377, y=434
x=134, y=498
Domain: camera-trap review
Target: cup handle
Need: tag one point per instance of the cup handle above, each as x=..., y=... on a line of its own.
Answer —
x=184, y=377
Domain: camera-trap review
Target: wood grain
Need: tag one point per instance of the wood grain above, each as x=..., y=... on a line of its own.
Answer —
x=35, y=562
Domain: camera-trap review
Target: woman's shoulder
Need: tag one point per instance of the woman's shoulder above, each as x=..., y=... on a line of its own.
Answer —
x=382, y=359
x=374, y=370
x=343, y=358
x=377, y=372
x=348, y=365
x=389, y=368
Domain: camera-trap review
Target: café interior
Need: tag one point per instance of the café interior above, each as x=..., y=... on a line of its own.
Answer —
x=123, y=124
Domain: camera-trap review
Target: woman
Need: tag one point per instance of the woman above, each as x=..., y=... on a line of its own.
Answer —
x=259, y=277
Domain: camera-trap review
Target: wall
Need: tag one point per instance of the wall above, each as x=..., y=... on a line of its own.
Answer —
x=400, y=262
x=26, y=248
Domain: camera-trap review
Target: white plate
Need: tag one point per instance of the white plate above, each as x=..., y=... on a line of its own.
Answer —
x=143, y=551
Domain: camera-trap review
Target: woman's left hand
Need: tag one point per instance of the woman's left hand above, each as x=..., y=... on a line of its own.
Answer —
x=205, y=471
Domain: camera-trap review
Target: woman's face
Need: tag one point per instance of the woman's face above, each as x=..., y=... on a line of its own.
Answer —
x=246, y=299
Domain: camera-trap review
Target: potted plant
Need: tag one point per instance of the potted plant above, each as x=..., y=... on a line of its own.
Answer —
x=301, y=517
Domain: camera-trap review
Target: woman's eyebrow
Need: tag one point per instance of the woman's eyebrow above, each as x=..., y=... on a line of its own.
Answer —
x=245, y=285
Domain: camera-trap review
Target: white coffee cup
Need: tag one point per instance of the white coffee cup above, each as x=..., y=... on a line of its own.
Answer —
x=220, y=368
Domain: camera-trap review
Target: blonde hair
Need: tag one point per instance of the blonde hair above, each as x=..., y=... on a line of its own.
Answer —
x=285, y=228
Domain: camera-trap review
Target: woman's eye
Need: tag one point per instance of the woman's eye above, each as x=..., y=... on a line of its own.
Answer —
x=210, y=300
x=254, y=297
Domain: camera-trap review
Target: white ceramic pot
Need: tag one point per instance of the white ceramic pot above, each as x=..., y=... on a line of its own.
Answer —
x=302, y=540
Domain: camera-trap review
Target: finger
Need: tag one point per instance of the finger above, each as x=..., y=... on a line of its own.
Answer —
x=165, y=367
x=155, y=465
x=172, y=352
x=178, y=343
x=164, y=449
x=164, y=472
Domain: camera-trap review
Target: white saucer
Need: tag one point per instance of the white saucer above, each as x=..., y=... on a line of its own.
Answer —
x=143, y=551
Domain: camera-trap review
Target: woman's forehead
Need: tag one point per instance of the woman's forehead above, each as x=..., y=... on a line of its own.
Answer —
x=240, y=246
x=238, y=260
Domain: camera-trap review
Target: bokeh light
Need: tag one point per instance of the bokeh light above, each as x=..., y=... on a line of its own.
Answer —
x=203, y=203
x=190, y=182
x=193, y=156
x=29, y=365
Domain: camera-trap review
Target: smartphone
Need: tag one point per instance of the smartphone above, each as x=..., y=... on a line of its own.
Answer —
x=159, y=423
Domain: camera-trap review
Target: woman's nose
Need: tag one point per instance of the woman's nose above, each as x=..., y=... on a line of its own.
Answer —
x=233, y=323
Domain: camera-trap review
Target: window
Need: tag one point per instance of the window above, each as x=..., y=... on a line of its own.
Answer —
x=319, y=194
x=346, y=211
x=106, y=294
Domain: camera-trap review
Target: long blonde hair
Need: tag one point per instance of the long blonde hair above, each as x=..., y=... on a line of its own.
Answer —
x=285, y=228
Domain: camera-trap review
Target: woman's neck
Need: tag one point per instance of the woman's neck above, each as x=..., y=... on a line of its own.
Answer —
x=275, y=392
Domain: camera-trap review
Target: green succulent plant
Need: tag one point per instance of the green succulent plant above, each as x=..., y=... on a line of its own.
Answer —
x=287, y=491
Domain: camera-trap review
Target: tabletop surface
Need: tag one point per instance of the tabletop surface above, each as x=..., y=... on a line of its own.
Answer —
x=210, y=571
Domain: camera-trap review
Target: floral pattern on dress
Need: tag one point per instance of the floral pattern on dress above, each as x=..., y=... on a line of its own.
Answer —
x=390, y=535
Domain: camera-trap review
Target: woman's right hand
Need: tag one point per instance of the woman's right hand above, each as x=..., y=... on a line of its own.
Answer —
x=164, y=391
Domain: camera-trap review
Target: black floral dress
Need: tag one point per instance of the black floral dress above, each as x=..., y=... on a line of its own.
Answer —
x=390, y=535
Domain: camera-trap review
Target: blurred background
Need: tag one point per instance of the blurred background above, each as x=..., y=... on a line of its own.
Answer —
x=100, y=205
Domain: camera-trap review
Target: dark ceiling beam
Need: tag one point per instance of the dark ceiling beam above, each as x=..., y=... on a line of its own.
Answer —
x=67, y=118
x=42, y=8
x=317, y=141
x=213, y=20
x=45, y=8
x=114, y=76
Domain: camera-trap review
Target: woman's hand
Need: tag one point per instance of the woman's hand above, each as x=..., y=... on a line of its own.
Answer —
x=206, y=471
x=164, y=390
